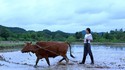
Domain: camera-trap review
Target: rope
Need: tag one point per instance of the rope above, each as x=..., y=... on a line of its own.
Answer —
x=51, y=51
x=46, y=49
x=30, y=54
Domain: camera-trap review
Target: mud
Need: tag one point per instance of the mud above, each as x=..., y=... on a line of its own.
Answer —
x=106, y=58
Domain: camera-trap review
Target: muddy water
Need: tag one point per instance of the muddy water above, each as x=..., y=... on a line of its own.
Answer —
x=107, y=57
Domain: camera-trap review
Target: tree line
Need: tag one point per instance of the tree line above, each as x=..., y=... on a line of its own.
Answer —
x=19, y=34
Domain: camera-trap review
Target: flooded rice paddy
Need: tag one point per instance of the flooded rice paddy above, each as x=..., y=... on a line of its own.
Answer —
x=107, y=57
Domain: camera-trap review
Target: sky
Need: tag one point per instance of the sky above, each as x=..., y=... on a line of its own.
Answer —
x=65, y=15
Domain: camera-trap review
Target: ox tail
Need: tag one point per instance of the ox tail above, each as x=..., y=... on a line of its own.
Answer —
x=70, y=50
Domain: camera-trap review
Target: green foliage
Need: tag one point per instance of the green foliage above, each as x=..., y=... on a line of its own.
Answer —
x=113, y=36
x=2, y=39
x=19, y=34
x=59, y=37
x=71, y=39
x=5, y=33
x=78, y=35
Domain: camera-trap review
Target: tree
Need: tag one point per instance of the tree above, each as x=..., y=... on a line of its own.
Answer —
x=5, y=33
x=106, y=35
x=59, y=37
x=71, y=39
x=96, y=37
x=34, y=36
x=121, y=30
x=78, y=35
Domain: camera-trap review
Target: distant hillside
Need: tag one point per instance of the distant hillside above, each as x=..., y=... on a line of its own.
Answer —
x=84, y=32
x=20, y=34
x=16, y=33
x=14, y=29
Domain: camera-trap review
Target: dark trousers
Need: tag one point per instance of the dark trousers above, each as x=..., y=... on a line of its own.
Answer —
x=87, y=50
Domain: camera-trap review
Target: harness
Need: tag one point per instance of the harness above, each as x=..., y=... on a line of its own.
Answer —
x=46, y=49
x=50, y=51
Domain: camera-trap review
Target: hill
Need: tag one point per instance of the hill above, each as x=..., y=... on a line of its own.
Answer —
x=14, y=29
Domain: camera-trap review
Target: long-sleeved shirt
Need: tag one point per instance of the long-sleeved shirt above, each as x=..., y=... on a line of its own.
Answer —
x=88, y=37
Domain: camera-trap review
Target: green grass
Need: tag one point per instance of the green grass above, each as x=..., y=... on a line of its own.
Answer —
x=12, y=44
x=20, y=44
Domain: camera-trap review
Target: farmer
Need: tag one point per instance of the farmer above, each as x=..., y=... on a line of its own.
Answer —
x=87, y=47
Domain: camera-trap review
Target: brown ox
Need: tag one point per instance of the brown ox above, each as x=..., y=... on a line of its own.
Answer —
x=48, y=49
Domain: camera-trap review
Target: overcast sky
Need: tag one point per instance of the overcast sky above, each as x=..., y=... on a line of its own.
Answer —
x=65, y=15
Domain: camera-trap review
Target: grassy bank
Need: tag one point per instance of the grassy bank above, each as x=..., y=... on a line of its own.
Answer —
x=20, y=44
x=10, y=44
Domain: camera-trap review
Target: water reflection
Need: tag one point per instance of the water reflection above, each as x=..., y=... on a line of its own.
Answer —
x=79, y=48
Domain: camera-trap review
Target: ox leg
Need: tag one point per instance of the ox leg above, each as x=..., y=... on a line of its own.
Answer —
x=37, y=60
x=47, y=60
x=62, y=59
x=67, y=60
